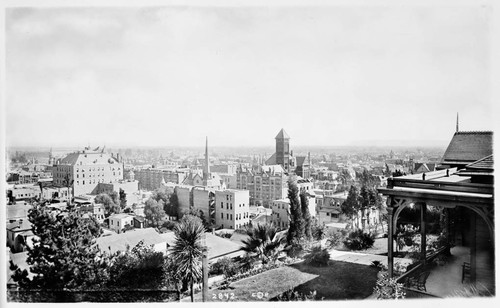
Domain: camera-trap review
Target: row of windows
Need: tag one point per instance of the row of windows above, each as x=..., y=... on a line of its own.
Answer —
x=92, y=181
x=98, y=169
x=83, y=175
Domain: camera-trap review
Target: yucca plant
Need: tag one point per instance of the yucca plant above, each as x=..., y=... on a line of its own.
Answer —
x=187, y=250
x=264, y=242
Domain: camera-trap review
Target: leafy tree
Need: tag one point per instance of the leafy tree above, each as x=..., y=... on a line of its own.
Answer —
x=110, y=206
x=351, y=205
x=114, y=196
x=225, y=266
x=345, y=179
x=63, y=255
x=187, y=250
x=123, y=199
x=306, y=215
x=160, y=195
x=364, y=203
x=296, y=228
x=153, y=210
x=139, y=268
x=172, y=207
x=263, y=241
x=201, y=215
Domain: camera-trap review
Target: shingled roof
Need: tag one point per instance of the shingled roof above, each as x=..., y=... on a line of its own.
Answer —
x=482, y=164
x=282, y=135
x=468, y=147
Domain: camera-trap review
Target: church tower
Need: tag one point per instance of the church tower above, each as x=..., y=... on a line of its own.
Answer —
x=206, y=166
x=283, y=150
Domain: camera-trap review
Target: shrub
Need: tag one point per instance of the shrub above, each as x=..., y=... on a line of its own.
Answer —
x=317, y=256
x=224, y=266
x=295, y=250
x=357, y=240
x=292, y=295
x=254, y=271
x=389, y=288
x=168, y=224
x=334, y=239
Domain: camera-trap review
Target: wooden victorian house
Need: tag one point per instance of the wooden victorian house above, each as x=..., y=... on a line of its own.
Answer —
x=462, y=187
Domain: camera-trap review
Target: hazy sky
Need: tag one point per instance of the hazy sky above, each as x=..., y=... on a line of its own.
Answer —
x=172, y=75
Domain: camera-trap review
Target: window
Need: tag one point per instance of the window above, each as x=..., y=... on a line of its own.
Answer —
x=222, y=215
x=231, y=205
x=222, y=205
x=227, y=216
x=83, y=183
x=227, y=206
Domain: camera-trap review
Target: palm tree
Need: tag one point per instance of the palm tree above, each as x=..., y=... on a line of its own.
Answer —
x=264, y=242
x=188, y=250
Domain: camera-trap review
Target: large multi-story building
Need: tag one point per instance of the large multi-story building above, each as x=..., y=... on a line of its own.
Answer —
x=232, y=208
x=151, y=178
x=84, y=170
x=264, y=183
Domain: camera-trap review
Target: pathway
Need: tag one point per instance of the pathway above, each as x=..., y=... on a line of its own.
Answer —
x=363, y=258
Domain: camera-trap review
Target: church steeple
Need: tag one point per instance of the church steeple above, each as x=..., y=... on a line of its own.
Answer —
x=457, y=124
x=206, y=167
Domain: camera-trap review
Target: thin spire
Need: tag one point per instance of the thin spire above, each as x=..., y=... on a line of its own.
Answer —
x=457, y=123
x=206, y=169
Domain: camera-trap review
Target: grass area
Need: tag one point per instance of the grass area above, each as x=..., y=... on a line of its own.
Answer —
x=339, y=280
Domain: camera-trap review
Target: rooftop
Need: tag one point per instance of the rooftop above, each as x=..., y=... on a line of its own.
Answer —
x=467, y=147
x=119, y=242
x=282, y=135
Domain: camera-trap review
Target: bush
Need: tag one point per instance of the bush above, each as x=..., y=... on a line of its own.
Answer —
x=292, y=295
x=168, y=224
x=317, y=257
x=295, y=250
x=357, y=240
x=388, y=288
x=224, y=266
x=334, y=239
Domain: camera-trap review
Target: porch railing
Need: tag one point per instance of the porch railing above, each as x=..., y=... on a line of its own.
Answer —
x=417, y=269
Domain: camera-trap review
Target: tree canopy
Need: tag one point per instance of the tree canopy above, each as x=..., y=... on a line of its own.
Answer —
x=153, y=210
x=63, y=255
x=296, y=227
x=110, y=206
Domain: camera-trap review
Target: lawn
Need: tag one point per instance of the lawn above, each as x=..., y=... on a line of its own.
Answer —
x=338, y=281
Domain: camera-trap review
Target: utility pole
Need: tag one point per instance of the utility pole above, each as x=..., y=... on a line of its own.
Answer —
x=204, y=265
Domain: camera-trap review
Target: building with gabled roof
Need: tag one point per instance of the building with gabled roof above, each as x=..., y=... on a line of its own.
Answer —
x=467, y=147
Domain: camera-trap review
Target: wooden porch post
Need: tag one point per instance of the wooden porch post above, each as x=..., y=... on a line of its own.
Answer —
x=448, y=230
x=423, y=233
x=390, y=242
x=473, y=249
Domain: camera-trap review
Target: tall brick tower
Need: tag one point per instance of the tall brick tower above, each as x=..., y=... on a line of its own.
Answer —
x=283, y=150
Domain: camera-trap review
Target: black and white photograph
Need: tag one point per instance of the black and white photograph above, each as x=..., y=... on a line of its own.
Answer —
x=338, y=152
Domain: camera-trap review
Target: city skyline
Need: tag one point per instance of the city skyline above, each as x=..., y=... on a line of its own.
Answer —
x=330, y=76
